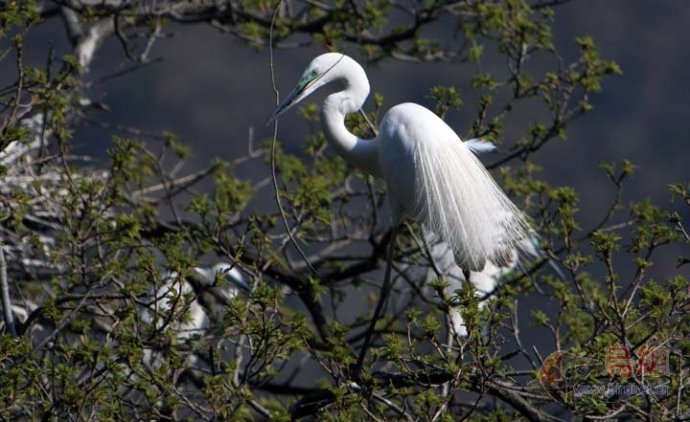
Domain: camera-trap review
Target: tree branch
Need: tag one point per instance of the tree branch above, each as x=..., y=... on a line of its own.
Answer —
x=5, y=294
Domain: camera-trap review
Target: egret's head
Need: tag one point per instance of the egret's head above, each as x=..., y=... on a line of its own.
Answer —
x=322, y=70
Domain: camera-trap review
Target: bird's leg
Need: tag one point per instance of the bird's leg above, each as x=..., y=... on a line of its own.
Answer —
x=385, y=289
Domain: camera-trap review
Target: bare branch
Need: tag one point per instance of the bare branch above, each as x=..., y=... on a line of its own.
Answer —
x=5, y=294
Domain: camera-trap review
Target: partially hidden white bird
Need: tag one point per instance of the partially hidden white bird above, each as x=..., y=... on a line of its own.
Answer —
x=182, y=303
x=188, y=305
x=431, y=175
x=484, y=282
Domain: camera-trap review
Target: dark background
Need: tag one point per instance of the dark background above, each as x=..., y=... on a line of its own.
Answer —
x=211, y=89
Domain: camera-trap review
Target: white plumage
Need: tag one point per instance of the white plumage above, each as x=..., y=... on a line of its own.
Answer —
x=177, y=302
x=483, y=282
x=431, y=174
x=435, y=178
x=187, y=306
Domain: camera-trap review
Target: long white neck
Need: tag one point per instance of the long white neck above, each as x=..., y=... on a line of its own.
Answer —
x=361, y=153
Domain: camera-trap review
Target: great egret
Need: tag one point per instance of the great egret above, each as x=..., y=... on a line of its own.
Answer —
x=430, y=173
x=185, y=303
x=20, y=313
x=483, y=282
x=188, y=305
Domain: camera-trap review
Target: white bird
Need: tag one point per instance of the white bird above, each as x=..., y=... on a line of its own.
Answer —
x=483, y=282
x=183, y=298
x=431, y=175
x=187, y=306
x=20, y=313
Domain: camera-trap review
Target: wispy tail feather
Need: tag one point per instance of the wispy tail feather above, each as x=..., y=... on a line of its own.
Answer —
x=461, y=202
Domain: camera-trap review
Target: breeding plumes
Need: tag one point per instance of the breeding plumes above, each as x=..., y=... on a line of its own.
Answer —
x=432, y=176
x=483, y=282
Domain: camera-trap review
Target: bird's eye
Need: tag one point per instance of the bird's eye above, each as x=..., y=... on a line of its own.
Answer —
x=308, y=77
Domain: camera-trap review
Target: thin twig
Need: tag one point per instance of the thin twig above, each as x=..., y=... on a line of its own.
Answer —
x=392, y=405
x=379, y=305
x=20, y=87
x=371, y=125
x=273, y=150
